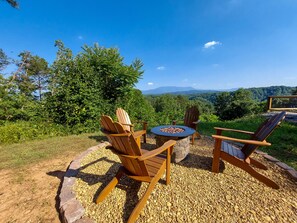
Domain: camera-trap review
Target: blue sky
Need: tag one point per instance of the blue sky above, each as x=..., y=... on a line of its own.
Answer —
x=205, y=44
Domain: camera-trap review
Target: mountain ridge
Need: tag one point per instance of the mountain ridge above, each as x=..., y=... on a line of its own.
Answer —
x=180, y=90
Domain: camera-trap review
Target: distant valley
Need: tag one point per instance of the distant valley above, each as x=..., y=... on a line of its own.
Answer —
x=258, y=93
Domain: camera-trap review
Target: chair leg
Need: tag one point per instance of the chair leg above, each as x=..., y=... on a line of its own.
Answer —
x=196, y=134
x=246, y=167
x=260, y=177
x=110, y=186
x=168, y=161
x=216, y=156
x=257, y=164
x=136, y=211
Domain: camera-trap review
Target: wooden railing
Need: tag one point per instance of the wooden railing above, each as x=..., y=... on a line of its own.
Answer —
x=282, y=103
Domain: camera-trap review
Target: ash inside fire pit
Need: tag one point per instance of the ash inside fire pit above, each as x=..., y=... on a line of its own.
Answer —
x=172, y=130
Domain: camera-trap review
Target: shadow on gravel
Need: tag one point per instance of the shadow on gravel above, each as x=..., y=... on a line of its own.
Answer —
x=193, y=160
x=200, y=162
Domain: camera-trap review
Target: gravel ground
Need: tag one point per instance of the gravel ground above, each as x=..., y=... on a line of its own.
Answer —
x=195, y=194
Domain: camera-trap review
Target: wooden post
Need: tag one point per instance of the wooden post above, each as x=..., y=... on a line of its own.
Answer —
x=269, y=103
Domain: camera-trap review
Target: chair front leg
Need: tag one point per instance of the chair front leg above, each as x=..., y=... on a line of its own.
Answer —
x=135, y=213
x=168, y=161
x=110, y=186
x=216, y=156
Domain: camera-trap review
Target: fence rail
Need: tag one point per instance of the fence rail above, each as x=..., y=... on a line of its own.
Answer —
x=282, y=103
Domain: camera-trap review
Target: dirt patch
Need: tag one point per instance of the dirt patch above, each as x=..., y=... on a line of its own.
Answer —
x=29, y=194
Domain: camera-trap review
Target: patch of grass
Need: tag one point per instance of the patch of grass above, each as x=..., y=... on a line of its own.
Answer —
x=22, y=131
x=283, y=139
x=21, y=154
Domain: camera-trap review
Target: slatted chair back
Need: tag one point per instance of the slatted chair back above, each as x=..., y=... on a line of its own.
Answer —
x=124, y=118
x=192, y=115
x=263, y=132
x=124, y=145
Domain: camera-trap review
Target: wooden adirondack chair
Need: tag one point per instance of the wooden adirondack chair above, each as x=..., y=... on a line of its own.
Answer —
x=124, y=119
x=241, y=157
x=138, y=164
x=191, y=119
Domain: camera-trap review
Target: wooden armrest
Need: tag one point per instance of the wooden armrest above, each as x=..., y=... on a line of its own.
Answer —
x=131, y=125
x=234, y=130
x=246, y=141
x=138, y=133
x=157, y=151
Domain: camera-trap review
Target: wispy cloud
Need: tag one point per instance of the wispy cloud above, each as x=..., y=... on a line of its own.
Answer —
x=150, y=83
x=80, y=37
x=211, y=44
x=161, y=68
x=185, y=80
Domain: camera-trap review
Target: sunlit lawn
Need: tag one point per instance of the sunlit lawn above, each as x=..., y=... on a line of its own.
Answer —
x=20, y=154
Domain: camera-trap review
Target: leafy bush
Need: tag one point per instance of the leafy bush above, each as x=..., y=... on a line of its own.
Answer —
x=13, y=132
x=208, y=118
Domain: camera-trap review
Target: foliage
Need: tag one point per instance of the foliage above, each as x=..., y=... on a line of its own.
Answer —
x=32, y=74
x=208, y=118
x=87, y=85
x=4, y=61
x=16, y=91
x=234, y=105
x=259, y=94
x=172, y=107
x=15, y=106
x=20, y=131
x=138, y=108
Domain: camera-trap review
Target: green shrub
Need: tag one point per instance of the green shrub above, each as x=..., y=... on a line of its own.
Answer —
x=208, y=118
x=13, y=132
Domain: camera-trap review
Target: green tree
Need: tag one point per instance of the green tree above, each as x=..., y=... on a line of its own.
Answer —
x=83, y=87
x=222, y=105
x=235, y=105
x=116, y=78
x=14, y=106
x=38, y=71
x=294, y=92
x=4, y=61
x=22, y=77
x=138, y=107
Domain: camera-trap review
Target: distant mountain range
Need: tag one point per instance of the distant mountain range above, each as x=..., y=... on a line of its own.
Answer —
x=179, y=90
x=258, y=93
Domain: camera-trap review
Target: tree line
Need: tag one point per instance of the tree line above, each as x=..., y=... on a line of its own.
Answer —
x=71, y=94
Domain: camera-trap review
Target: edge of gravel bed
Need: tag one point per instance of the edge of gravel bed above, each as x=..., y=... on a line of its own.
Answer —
x=70, y=208
x=72, y=211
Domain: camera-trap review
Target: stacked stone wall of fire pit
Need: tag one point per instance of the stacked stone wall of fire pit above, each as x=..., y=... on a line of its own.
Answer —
x=180, y=150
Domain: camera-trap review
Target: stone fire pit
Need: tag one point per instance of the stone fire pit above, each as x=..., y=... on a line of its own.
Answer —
x=180, y=134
